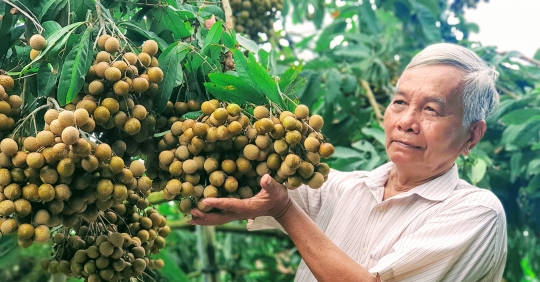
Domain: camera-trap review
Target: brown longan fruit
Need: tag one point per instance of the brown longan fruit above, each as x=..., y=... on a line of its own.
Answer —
x=103, y=56
x=322, y=168
x=208, y=107
x=245, y=192
x=293, y=161
x=326, y=150
x=30, y=192
x=150, y=46
x=301, y=111
x=293, y=182
x=22, y=207
x=30, y=144
x=137, y=167
x=15, y=101
x=130, y=58
x=7, y=207
x=140, y=84
x=42, y=217
x=25, y=231
x=228, y=166
x=293, y=137
x=38, y=42
x=103, y=152
x=305, y=169
x=96, y=87
x=34, y=54
x=316, y=122
x=101, y=114
x=251, y=152
x=70, y=135
x=7, y=82
x=190, y=166
x=316, y=181
x=231, y=184
x=313, y=157
x=185, y=205
x=62, y=192
x=211, y=191
x=145, y=59
x=264, y=125
x=121, y=88
x=81, y=116
x=111, y=104
x=42, y=233
x=9, y=147
x=12, y=191
x=311, y=144
x=46, y=192
x=112, y=74
x=132, y=126
x=112, y=45
x=194, y=105
x=243, y=165
x=9, y=226
x=139, y=112
x=121, y=65
x=217, y=178
x=116, y=164
x=261, y=112
x=19, y=160
x=155, y=75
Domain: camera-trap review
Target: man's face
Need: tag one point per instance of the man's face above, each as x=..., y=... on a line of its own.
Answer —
x=423, y=123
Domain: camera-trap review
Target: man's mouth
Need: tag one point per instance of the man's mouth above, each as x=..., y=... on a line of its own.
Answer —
x=406, y=144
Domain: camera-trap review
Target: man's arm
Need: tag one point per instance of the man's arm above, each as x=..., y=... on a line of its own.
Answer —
x=322, y=256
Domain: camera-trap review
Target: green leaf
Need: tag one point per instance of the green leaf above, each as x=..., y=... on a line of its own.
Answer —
x=256, y=76
x=263, y=58
x=169, y=61
x=333, y=82
x=231, y=88
x=47, y=76
x=432, y=5
x=248, y=44
x=51, y=9
x=207, y=11
x=289, y=76
x=367, y=16
x=427, y=20
x=192, y=115
x=74, y=70
x=341, y=152
x=520, y=116
x=521, y=134
x=214, y=35
x=179, y=28
x=49, y=27
x=143, y=32
x=377, y=133
x=478, y=171
x=228, y=40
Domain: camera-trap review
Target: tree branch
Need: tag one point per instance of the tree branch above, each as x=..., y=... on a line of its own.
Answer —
x=372, y=101
x=229, y=21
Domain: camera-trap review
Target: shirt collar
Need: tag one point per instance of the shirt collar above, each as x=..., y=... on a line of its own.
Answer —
x=437, y=189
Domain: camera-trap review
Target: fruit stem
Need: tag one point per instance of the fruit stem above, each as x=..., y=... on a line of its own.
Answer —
x=30, y=17
x=229, y=20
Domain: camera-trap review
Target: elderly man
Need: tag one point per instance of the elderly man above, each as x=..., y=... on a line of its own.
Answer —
x=411, y=219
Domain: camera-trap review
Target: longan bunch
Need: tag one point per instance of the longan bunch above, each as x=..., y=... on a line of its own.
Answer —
x=105, y=251
x=224, y=153
x=255, y=16
x=38, y=44
x=10, y=105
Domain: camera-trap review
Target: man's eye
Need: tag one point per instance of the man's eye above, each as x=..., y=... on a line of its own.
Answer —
x=399, y=102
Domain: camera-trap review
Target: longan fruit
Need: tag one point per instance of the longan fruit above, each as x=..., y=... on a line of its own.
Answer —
x=231, y=184
x=185, y=205
x=155, y=75
x=261, y=112
x=30, y=144
x=305, y=169
x=211, y=191
x=70, y=135
x=42, y=217
x=264, y=125
x=316, y=181
x=326, y=150
x=81, y=116
x=137, y=167
x=112, y=45
x=316, y=122
x=245, y=192
x=234, y=109
x=103, y=56
x=7, y=82
x=9, y=226
x=103, y=152
x=111, y=104
x=150, y=46
x=311, y=144
x=30, y=192
x=22, y=207
x=15, y=101
x=293, y=137
x=101, y=40
x=140, y=84
x=251, y=152
x=112, y=74
x=243, y=165
x=42, y=233
x=130, y=58
x=7, y=207
x=34, y=54
x=313, y=157
x=25, y=231
x=228, y=166
x=217, y=178
x=139, y=112
x=190, y=166
x=101, y=115
x=208, y=107
x=322, y=168
x=100, y=68
x=38, y=42
x=301, y=111
x=9, y=146
x=132, y=126
x=293, y=182
x=121, y=88
x=62, y=192
x=145, y=59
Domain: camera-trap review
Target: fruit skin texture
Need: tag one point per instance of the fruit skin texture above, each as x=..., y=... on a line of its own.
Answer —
x=38, y=42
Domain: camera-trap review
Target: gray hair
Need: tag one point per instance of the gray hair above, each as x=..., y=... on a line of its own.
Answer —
x=479, y=96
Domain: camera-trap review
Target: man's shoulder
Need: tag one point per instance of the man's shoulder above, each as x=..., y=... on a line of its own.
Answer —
x=470, y=195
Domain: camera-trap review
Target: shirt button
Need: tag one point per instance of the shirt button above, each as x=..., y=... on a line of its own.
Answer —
x=380, y=208
x=364, y=249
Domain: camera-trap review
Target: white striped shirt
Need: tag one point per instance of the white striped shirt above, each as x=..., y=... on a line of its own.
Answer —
x=442, y=230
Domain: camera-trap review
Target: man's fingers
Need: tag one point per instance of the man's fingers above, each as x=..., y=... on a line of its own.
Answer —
x=201, y=218
x=227, y=204
x=269, y=184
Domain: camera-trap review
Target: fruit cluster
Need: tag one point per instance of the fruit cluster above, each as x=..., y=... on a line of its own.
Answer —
x=117, y=247
x=10, y=105
x=224, y=153
x=255, y=16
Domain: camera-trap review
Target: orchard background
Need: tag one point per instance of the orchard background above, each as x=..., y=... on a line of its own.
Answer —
x=205, y=47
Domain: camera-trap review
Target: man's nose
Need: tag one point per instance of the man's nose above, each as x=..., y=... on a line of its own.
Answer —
x=408, y=122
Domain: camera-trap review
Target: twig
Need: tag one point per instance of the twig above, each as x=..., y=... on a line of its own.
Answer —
x=30, y=115
x=68, y=10
x=38, y=26
x=229, y=20
x=372, y=101
x=508, y=92
x=100, y=17
x=525, y=58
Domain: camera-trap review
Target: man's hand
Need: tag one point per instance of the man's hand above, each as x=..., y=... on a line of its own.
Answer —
x=273, y=200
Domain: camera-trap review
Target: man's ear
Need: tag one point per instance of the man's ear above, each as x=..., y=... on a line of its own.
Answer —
x=476, y=132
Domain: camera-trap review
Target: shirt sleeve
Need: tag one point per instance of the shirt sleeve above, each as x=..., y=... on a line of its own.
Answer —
x=464, y=243
x=310, y=200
